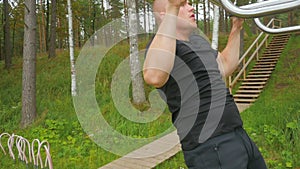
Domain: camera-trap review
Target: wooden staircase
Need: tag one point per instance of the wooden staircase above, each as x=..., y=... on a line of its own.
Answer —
x=258, y=76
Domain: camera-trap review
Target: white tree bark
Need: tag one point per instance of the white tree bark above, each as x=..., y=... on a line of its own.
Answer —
x=29, y=65
x=138, y=92
x=215, y=36
x=71, y=44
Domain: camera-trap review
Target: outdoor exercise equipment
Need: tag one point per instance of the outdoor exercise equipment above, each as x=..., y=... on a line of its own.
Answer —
x=261, y=9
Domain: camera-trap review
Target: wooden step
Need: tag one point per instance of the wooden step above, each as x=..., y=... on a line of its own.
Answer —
x=255, y=79
x=268, y=59
x=279, y=40
x=244, y=100
x=246, y=95
x=260, y=72
x=273, y=47
x=248, y=91
x=272, y=54
x=253, y=83
x=258, y=76
x=274, y=50
x=266, y=63
x=264, y=66
x=276, y=45
x=251, y=87
x=263, y=69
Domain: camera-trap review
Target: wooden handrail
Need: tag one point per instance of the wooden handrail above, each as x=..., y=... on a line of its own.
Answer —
x=255, y=53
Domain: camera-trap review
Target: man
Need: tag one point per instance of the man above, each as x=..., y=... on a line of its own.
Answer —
x=188, y=73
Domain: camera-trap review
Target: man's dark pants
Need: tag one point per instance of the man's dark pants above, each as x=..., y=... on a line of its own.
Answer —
x=233, y=150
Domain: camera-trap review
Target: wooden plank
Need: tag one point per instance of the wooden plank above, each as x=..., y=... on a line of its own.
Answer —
x=251, y=87
x=260, y=72
x=149, y=155
x=245, y=100
x=246, y=95
x=256, y=79
x=264, y=66
x=266, y=63
x=248, y=91
x=258, y=76
x=267, y=60
x=263, y=69
x=269, y=57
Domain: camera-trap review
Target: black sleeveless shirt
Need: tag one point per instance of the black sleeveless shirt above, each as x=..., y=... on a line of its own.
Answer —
x=201, y=105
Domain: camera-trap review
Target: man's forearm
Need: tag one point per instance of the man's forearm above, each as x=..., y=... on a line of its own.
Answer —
x=230, y=55
x=161, y=53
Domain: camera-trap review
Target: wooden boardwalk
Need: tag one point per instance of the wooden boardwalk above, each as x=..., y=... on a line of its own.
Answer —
x=149, y=155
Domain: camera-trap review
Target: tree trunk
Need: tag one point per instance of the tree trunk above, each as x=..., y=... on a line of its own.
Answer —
x=204, y=18
x=42, y=28
x=208, y=18
x=29, y=65
x=52, y=44
x=126, y=18
x=221, y=21
x=7, y=40
x=137, y=13
x=48, y=23
x=226, y=23
x=144, y=13
x=215, y=35
x=13, y=38
x=138, y=92
x=197, y=11
x=71, y=45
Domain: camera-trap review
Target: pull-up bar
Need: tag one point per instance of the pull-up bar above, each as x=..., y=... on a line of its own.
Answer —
x=260, y=9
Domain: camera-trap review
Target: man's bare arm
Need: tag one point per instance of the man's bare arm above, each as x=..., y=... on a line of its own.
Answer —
x=229, y=57
x=161, y=53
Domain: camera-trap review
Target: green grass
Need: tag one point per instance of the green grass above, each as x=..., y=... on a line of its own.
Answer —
x=57, y=121
x=273, y=122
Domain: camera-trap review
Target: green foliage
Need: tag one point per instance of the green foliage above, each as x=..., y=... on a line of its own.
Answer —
x=57, y=122
x=274, y=120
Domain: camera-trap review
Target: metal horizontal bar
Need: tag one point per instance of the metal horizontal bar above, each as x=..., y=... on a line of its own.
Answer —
x=275, y=31
x=258, y=9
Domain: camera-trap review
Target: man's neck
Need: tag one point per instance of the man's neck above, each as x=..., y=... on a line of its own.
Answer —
x=183, y=35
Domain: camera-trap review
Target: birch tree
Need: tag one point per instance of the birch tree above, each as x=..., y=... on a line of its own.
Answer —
x=138, y=92
x=71, y=45
x=215, y=35
x=29, y=65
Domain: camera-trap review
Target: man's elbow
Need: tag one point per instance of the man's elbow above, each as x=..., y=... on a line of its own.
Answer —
x=154, y=79
x=228, y=72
